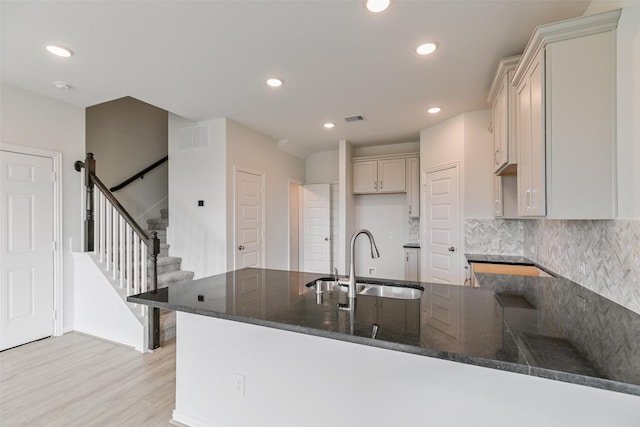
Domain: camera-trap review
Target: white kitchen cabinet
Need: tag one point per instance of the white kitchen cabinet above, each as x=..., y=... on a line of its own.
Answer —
x=502, y=100
x=411, y=264
x=383, y=175
x=565, y=116
x=505, y=204
x=413, y=187
x=365, y=177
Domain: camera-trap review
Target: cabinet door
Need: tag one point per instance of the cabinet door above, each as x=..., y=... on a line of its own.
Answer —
x=411, y=271
x=531, y=141
x=523, y=123
x=391, y=176
x=537, y=198
x=365, y=177
x=500, y=126
x=413, y=187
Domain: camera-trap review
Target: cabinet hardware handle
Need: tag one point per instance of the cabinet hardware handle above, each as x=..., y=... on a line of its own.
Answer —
x=326, y=239
x=241, y=248
x=407, y=257
x=452, y=249
x=375, y=185
x=381, y=185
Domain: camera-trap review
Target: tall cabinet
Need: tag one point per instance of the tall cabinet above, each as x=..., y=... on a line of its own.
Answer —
x=565, y=120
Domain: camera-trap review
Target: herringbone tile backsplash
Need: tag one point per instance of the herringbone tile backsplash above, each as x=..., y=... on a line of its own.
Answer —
x=609, y=250
x=479, y=233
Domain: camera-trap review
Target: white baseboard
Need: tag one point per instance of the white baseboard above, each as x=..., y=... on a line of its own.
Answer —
x=182, y=419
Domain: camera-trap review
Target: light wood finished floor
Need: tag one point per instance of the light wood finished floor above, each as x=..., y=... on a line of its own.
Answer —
x=77, y=380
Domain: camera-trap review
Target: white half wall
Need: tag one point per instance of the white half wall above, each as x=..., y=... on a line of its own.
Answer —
x=306, y=380
x=31, y=120
x=100, y=309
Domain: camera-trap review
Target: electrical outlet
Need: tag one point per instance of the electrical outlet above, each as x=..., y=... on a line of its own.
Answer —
x=581, y=268
x=372, y=271
x=495, y=244
x=238, y=384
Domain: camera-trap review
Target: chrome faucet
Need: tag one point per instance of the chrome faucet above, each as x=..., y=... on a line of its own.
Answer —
x=352, y=266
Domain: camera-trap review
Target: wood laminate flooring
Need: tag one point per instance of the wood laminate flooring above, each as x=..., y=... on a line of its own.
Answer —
x=77, y=380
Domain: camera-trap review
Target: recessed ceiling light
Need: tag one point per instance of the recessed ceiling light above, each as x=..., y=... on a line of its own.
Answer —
x=59, y=51
x=62, y=85
x=427, y=48
x=329, y=125
x=376, y=6
x=434, y=110
x=274, y=82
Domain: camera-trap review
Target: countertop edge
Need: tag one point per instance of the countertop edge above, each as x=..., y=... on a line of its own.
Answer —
x=609, y=385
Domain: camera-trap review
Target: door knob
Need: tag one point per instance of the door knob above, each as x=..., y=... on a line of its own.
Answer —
x=452, y=249
x=240, y=248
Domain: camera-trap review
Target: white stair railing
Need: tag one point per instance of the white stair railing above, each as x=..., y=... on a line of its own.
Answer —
x=120, y=244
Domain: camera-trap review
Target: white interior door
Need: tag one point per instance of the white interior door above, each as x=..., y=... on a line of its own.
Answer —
x=249, y=251
x=317, y=228
x=26, y=266
x=442, y=226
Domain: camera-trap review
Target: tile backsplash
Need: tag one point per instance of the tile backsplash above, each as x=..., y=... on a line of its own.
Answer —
x=603, y=256
x=608, y=250
x=414, y=230
x=479, y=234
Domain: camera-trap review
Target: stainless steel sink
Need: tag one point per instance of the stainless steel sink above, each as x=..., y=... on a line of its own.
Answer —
x=324, y=285
x=370, y=289
x=396, y=292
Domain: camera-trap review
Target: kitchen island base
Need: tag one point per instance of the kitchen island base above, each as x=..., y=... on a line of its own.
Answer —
x=296, y=379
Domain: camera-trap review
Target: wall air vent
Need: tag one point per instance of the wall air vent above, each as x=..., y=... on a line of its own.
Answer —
x=193, y=138
x=354, y=118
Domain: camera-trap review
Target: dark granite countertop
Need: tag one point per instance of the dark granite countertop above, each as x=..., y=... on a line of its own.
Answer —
x=499, y=259
x=547, y=327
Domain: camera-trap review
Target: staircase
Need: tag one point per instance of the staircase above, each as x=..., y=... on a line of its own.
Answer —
x=169, y=272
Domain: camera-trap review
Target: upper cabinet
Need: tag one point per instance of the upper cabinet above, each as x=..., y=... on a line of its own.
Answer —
x=565, y=119
x=502, y=100
x=379, y=175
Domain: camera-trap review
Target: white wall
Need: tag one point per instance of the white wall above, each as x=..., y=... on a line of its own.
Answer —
x=99, y=308
x=252, y=151
x=33, y=120
x=386, y=217
x=325, y=382
x=322, y=168
x=198, y=234
x=478, y=165
x=465, y=139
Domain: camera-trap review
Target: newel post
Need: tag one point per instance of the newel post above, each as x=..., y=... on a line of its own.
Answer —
x=89, y=166
x=154, y=312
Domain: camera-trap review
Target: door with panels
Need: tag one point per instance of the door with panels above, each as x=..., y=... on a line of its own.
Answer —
x=27, y=267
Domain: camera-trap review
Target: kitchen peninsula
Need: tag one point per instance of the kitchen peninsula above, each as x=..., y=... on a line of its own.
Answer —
x=260, y=347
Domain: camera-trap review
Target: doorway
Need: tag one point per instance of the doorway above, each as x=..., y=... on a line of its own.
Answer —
x=441, y=225
x=249, y=220
x=30, y=271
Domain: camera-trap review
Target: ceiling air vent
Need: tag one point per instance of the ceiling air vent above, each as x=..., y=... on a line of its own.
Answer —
x=354, y=118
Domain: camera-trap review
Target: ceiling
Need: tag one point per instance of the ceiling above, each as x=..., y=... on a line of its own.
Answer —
x=210, y=59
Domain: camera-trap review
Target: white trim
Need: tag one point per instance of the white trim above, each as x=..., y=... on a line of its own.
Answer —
x=180, y=418
x=384, y=156
x=299, y=183
x=58, y=271
x=263, y=179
